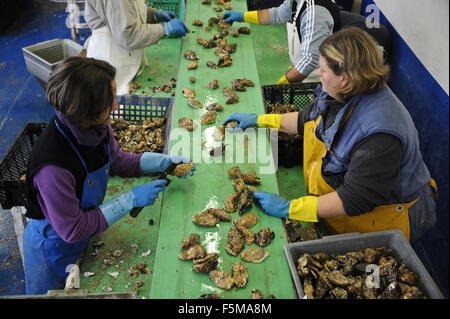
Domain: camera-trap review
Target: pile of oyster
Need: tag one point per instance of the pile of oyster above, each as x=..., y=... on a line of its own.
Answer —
x=281, y=109
x=135, y=138
x=345, y=277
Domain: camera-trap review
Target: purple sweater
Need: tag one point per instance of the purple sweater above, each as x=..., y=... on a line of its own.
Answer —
x=56, y=188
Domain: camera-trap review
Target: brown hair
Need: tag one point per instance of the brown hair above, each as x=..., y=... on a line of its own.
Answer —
x=355, y=53
x=81, y=88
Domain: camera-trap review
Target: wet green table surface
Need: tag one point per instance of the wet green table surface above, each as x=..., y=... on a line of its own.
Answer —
x=127, y=240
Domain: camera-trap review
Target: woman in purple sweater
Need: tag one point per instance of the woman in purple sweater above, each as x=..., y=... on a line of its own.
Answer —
x=68, y=173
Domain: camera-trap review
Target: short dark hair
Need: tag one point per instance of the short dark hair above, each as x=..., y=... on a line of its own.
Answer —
x=80, y=88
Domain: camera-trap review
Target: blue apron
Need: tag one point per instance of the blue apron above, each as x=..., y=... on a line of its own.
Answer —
x=46, y=255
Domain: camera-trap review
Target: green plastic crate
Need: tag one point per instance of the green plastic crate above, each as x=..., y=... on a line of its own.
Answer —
x=171, y=5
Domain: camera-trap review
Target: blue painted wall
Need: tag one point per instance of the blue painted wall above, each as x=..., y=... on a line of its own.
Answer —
x=428, y=105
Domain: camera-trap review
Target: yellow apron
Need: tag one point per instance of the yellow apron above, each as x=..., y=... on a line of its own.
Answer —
x=381, y=218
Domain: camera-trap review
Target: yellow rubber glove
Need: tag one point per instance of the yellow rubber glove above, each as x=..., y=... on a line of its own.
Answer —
x=304, y=209
x=251, y=17
x=269, y=120
x=283, y=80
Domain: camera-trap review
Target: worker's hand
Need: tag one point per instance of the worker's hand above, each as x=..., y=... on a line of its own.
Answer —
x=273, y=204
x=283, y=80
x=245, y=120
x=158, y=163
x=164, y=16
x=145, y=195
x=233, y=16
x=175, y=27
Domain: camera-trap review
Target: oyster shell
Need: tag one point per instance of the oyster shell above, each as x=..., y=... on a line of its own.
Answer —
x=213, y=20
x=371, y=255
x=213, y=84
x=308, y=288
x=251, y=189
x=217, y=9
x=182, y=169
x=256, y=294
x=235, y=33
x=187, y=124
x=223, y=25
x=195, y=103
x=339, y=293
x=235, y=241
x=225, y=61
x=212, y=65
x=254, y=255
x=247, y=221
x=231, y=202
x=209, y=296
x=215, y=107
x=206, y=264
x=205, y=219
x=239, y=184
x=245, y=202
x=208, y=44
x=240, y=274
x=264, y=237
x=238, y=85
x=193, y=239
x=197, y=22
x=228, y=5
x=193, y=252
x=221, y=53
x=392, y=291
x=187, y=92
x=192, y=79
x=244, y=30
x=231, y=48
x=191, y=55
x=232, y=124
x=219, y=133
x=337, y=278
x=208, y=118
x=222, y=43
x=221, y=279
x=230, y=93
x=407, y=276
x=206, y=1
x=219, y=213
x=247, y=233
x=192, y=65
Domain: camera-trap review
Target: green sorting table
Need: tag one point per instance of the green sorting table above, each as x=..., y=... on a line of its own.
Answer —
x=172, y=277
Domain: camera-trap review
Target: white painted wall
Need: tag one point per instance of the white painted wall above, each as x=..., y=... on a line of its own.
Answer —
x=424, y=26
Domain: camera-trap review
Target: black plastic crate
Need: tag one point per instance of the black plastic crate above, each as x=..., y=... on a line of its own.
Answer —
x=290, y=149
x=14, y=164
x=139, y=107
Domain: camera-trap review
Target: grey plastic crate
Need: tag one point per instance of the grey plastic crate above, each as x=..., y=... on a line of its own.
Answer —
x=42, y=58
x=139, y=107
x=339, y=244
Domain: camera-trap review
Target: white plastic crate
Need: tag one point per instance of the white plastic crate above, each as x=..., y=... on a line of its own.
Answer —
x=41, y=58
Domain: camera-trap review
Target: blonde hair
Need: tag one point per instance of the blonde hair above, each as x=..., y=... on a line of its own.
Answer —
x=355, y=53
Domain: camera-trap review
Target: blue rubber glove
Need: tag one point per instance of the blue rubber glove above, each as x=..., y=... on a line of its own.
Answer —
x=164, y=16
x=233, y=16
x=175, y=27
x=140, y=196
x=245, y=120
x=273, y=204
x=158, y=163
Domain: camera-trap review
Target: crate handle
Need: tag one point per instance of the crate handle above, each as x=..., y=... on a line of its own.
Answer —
x=341, y=236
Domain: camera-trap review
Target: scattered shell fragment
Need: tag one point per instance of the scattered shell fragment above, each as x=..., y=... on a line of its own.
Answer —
x=193, y=239
x=114, y=274
x=147, y=253
x=254, y=255
x=240, y=274
x=221, y=279
x=106, y=288
x=88, y=274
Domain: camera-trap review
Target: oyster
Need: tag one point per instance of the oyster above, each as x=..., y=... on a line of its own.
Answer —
x=235, y=33
x=264, y=237
x=192, y=79
x=215, y=107
x=247, y=221
x=244, y=30
x=208, y=44
x=219, y=213
x=230, y=93
x=251, y=189
x=224, y=32
x=234, y=172
x=238, y=85
x=193, y=239
x=187, y=124
x=231, y=202
x=308, y=288
x=392, y=291
x=239, y=184
x=213, y=84
x=222, y=43
x=256, y=294
x=206, y=264
x=221, y=279
x=192, y=65
x=250, y=178
x=245, y=202
x=208, y=27
x=197, y=22
x=231, y=48
x=225, y=61
x=187, y=92
x=339, y=293
x=182, y=169
x=191, y=55
x=219, y=133
x=247, y=233
x=337, y=278
x=228, y=5
x=240, y=274
x=205, y=219
x=254, y=255
x=235, y=241
x=222, y=25
x=213, y=20
x=208, y=118
x=409, y=292
x=217, y=37
x=193, y=252
x=212, y=65
x=217, y=9
x=206, y=2
x=195, y=103
x=209, y=296
x=407, y=276
x=221, y=53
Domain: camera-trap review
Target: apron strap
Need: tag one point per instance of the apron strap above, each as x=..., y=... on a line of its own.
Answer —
x=434, y=188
